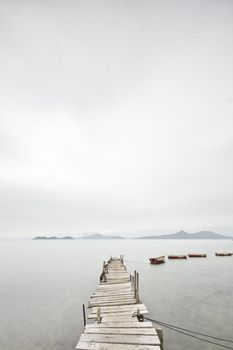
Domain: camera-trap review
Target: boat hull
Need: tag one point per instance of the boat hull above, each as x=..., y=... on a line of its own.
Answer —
x=223, y=254
x=177, y=256
x=197, y=255
x=157, y=261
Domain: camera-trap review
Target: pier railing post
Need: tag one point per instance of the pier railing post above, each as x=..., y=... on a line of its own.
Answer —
x=103, y=266
x=135, y=284
x=98, y=315
x=137, y=297
x=84, y=316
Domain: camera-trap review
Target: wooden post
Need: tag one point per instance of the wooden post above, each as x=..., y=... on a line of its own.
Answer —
x=135, y=284
x=160, y=334
x=98, y=315
x=137, y=298
x=84, y=316
x=103, y=266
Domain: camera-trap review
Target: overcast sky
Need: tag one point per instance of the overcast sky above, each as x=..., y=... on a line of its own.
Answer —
x=116, y=116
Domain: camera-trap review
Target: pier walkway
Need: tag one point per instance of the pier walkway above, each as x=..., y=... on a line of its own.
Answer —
x=118, y=314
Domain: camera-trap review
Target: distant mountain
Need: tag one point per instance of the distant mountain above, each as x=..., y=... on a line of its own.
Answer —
x=52, y=237
x=177, y=235
x=185, y=235
x=100, y=236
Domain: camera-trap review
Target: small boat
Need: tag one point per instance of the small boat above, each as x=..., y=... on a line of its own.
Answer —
x=177, y=256
x=197, y=255
x=224, y=254
x=158, y=260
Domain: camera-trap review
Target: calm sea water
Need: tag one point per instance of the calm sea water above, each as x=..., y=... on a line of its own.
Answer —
x=43, y=285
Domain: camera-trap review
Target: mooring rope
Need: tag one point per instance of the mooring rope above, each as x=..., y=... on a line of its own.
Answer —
x=187, y=331
x=184, y=330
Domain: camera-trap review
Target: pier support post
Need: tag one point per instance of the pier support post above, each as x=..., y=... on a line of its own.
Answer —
x=137, y=287
x=84, y=316
x=103, y=266
x=160, y=334
x=98, y=315
x=135, y=284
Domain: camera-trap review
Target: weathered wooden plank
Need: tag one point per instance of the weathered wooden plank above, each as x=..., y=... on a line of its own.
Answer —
x=111, y=297
x=106, y=330
x=119, y=302
x=116, y=285
x=92, y=300
x=114, y=290
x=110, y=287
x=123, y=288
x=118, y=318
x=111, y=302
x=117, y=272
x=123, y=307
x=117, y=275
x=105, y=346
x=112, y=280
x=120, y=313
x=121, y=339
x=128, y=324
x=134, y=307
x=115, y=282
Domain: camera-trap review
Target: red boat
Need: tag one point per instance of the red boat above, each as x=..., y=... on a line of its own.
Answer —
x=177, y=256
x=195, y=255
x=224, y=254
x=158, y=260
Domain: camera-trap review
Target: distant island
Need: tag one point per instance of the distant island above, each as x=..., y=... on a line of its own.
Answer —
x=186, y=235
x=91, y=236
x=52, y=237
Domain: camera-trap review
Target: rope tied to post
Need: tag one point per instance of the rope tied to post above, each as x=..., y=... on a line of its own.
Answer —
x=139, y=316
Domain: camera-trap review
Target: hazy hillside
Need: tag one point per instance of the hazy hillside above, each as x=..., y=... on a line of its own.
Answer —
x=185, y=235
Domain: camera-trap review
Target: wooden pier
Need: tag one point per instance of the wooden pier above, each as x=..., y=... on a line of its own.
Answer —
x=117, y=314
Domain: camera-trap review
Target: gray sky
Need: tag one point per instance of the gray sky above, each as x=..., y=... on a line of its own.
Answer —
x=116, y=116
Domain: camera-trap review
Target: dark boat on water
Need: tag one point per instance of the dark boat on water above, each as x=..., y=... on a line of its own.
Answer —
x=224, y=254
x=177, y=256
x=158, y=260
x=197, y=255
